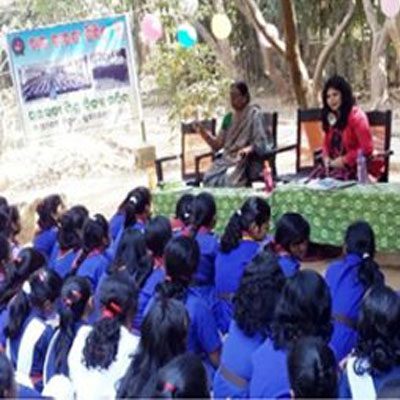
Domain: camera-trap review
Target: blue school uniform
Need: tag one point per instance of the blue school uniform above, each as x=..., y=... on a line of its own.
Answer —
x=116, y=223
x=235, y=364
x=289, y=264
x=63, y=262
x=229, y=269
x=93, y=267
x=269, y=378
x=347, y=293
x=146, y=293
x=27, y=351
x=45, y=240
x=49, y=369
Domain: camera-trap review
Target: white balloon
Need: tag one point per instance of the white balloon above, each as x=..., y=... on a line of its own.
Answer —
x=189, y=7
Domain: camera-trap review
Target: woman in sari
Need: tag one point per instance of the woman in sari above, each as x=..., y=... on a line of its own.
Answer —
x=243, y=139
x=346, y=127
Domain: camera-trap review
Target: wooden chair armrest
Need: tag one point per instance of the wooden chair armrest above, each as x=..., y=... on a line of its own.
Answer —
x=197, y=161
x=159, y=169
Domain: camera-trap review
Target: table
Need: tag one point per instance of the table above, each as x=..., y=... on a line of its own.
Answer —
x=328, y=212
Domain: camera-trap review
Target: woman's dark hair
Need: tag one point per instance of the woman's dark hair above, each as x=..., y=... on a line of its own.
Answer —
x=158, y=233
x=95, y=236
x=291, y=229
x=15, y=221
x=360, y=240
x=70, y=229
x=337, y=82
x=75, y=295
x=118, y=300
x=254, y=210
x=258, y=293
x=7, y=378
x=184, y=377
x=304, y=309
x=243, y=89
x=203, y=212
x=46, y=210
x=312, y=369
x=181, y=257
x=132, y=256
x=4, y=251
x=5, y=222
x=378, y=331
x=184, y=207
x=163, y=336
x=135, y=203
x=43, y=285
x=18, y=271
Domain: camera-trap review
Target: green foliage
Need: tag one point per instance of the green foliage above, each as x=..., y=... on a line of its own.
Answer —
x=191, y=79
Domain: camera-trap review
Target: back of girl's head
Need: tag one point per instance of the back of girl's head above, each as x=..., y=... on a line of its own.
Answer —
x=184, y=377
x=181, y=258
x=184, y=207
x=258, y=293
x=75, y=294
x=163, y=336
x=71, y=225
x=256, y=211
x=29, y=260
x=4, y=250
x=138, y=201
x=7, y=378
x=312, y=369
x=47, y=209
x=118, y=301
x=15, y=220
x=360, y=240
x=304, y=309
x=5, y=222
x=39, y=291
x=291, y=229
x=158, y=232
x=378, y=329
x=95, y=233
x=204, y=211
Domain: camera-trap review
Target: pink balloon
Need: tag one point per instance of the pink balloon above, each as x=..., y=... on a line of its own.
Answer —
x=390, y=7
x=151, y=28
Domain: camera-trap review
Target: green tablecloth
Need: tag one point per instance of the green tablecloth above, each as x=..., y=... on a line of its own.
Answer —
x=227, y=200
x=330, y=212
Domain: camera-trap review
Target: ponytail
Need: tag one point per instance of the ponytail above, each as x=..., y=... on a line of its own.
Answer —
x=46, y=210
x=19, y=309
x=135, y=203
x=255, y=210
x=203, y=212
x=369, y=272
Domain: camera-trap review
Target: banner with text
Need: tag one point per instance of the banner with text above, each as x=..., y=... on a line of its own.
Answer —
x=75, y=76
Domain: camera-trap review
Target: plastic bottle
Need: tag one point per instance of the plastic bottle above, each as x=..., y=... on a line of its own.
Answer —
x=362, y=174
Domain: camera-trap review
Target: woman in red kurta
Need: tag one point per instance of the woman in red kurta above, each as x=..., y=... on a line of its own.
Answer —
x=346, y=129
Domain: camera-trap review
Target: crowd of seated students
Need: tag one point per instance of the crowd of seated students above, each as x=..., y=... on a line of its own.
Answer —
x=145, y=306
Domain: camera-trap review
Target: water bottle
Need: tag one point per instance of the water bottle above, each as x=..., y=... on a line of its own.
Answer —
x=362, y=174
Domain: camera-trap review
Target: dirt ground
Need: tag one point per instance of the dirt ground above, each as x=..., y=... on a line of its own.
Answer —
x=97, y=169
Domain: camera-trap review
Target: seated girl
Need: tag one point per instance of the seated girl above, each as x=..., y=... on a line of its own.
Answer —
x=183, y=212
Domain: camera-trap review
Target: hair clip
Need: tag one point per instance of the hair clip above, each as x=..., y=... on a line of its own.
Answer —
x=133, y=199
x=67, y=301
x=365, y=256
x=76, y=294
x=26, y=288
x=186, y=215
x=239, y=213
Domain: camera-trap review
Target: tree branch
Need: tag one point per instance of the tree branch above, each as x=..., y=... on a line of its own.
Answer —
x=371, y=16
x=251, y=11
x=331, y=44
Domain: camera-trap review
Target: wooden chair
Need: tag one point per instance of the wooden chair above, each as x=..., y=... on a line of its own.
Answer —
x=195, y=156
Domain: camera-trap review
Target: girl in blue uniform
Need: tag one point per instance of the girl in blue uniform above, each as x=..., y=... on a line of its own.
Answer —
x=203, y=219
x=348, y=281
x=101, y=354
x=183, y=212
x=27, y=332
x=304, y=309
x=290, y=244
x=91, y=261
x=69, y=239
x=163, y=336
x=181, y=260
x=312, y=370
x=254, y=305
x=137, y=211
x=184, y=377
x=376, y=359
x=73, y=307
x=49, y=211
x=5, y=255
x=239, y=244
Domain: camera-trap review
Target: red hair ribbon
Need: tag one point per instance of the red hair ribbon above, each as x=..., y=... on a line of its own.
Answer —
x=111, y=310
x=169, y=387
